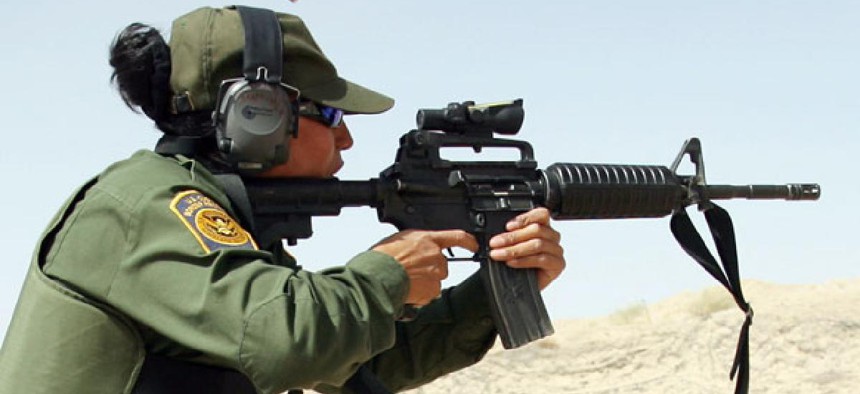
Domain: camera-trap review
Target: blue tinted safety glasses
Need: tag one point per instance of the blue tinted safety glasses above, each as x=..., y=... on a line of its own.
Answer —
x=331, y=117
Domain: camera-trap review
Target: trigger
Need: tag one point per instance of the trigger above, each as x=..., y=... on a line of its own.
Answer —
x=451, y=256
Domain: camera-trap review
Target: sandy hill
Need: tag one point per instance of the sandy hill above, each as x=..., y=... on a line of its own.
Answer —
x=804, y=339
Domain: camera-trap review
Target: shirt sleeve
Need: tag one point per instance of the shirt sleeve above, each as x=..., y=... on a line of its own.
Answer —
x=206, y=295
x=453, y=332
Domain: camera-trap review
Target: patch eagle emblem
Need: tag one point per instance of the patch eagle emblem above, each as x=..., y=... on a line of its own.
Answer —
x=210, y=224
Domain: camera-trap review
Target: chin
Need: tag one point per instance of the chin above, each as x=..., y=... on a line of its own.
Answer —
x=337, y=168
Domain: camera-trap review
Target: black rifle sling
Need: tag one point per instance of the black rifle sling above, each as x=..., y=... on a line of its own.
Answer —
x=365, y=382
x=235, y=189
x=722, y=230
x=165, y=375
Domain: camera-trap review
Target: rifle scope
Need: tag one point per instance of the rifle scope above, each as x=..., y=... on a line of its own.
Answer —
x=474, y=119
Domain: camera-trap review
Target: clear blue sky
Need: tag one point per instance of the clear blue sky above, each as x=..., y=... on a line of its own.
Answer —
x=770, y=87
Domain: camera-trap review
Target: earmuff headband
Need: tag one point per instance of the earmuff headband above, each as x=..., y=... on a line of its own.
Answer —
x=263, y=45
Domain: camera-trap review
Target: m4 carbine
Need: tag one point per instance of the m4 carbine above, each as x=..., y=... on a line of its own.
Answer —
x=422, y=190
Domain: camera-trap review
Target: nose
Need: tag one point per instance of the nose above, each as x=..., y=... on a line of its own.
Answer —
x=342, y=137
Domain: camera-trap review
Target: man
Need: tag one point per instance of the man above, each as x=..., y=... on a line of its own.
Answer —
x=151, y=278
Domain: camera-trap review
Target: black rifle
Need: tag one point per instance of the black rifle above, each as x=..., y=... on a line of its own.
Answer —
x=422, y=190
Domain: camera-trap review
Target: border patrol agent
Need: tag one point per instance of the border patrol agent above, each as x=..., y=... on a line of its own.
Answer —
x=150, y=278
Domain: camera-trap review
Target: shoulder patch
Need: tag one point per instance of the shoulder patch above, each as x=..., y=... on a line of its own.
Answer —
x=210, y=224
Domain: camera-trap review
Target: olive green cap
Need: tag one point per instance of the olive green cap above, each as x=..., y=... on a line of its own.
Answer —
x=206, y=47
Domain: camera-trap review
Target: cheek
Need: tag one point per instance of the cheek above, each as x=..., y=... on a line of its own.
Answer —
x=313, y=146
x=311, y=153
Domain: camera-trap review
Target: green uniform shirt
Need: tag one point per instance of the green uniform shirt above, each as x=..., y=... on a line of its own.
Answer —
x=155, y=238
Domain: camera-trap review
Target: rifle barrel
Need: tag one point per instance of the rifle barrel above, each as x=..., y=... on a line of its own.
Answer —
x=791, y=191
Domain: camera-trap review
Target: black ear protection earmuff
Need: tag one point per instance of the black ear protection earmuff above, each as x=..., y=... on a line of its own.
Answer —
x=256, y=115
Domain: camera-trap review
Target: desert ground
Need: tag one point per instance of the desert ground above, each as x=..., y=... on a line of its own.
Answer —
x=804, y=339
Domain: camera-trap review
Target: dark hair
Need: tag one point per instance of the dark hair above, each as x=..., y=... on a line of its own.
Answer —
x=141, y=71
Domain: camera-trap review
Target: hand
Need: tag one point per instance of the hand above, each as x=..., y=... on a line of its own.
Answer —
x=530, y=242
x=420, y=254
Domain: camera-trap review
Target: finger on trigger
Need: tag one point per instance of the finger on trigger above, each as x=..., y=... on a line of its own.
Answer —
x=449, y=238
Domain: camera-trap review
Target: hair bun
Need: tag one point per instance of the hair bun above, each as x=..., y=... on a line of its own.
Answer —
x=141, y=62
